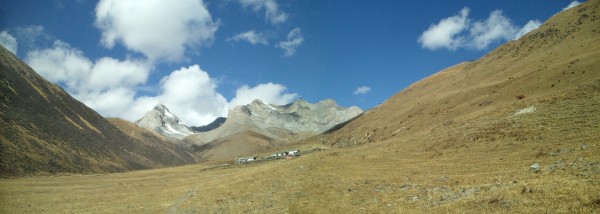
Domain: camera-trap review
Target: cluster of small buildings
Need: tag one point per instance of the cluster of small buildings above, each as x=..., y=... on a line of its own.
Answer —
x=281, y=155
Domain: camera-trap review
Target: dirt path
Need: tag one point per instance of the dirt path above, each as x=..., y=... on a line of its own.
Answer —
x=173, y=208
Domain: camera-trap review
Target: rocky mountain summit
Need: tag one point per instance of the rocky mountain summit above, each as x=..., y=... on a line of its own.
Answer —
x=162, y=121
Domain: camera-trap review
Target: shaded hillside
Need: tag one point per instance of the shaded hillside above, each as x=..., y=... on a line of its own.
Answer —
x=239, y=144
x=559, y=57
x=43, y=129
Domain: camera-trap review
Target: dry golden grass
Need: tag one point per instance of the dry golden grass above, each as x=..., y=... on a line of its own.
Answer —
x=400, y=177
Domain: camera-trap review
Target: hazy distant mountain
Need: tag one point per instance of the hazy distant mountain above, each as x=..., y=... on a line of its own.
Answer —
x=162, y=121
x=259, y=126
x=44, y=129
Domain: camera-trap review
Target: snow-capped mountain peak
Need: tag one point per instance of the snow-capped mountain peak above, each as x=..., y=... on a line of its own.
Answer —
x=160, y=119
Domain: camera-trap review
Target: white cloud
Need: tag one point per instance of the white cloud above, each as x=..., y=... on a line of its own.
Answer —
x=445, y=34
x=461, y=32
x=294, y=40
x=362, y=90
x=270, y=93
x=67, y=65
x=161, y=30
x=110, y=73
x=531, y=25
x=272, y=11
x=61, y=64
x=191, y=94
x=496, y=27
x=572, y=4
x=107, y=85
x=8, y=41
x=116, y=102
x=252, y=37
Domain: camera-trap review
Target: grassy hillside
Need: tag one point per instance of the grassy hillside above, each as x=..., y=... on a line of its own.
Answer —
x=44, y=130
x=560, y=56
x=460, y=141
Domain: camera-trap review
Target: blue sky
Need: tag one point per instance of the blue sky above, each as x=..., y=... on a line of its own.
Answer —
x=201, y=58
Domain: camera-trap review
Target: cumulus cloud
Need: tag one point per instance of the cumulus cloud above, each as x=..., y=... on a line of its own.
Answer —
x=61, y=64
x=461, y=32
x=294, y=40
x=362, y=90
x=572, y=4
x=272, y=12
x=161, y=30
x=8, y=41
x=252, y=37
x=106, y=85
x=191, y=94
x=271, y=93
x=445, y=34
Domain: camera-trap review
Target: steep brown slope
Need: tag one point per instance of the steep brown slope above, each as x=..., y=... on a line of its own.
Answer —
x=152, y=139
x=557, y=58
x=43, y=129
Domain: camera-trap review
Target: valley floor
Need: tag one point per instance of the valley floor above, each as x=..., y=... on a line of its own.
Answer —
x=391, y=178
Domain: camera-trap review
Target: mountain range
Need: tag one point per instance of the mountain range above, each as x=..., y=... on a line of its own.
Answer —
x=259, y=126
x=250, y=128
